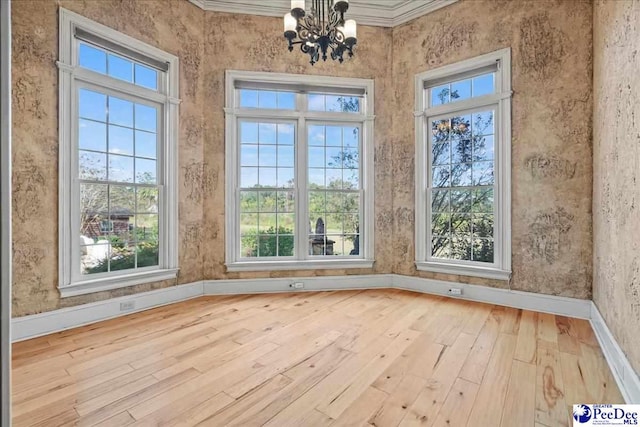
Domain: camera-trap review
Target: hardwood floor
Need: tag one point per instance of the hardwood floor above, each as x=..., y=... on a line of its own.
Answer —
x=348, y=358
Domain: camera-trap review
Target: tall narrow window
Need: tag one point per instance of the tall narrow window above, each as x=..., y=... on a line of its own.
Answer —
x=463, y=168
x=118, y=141
x=299, y=166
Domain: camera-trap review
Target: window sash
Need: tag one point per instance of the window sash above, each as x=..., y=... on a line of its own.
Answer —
x=478, y=106
x=76, y=274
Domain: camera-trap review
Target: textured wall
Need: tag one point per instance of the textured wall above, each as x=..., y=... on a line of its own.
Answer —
x=551, y=49
x=259, y=46
x=616, y=183
x=207, y=44
x=551, y=45
x=174, y=26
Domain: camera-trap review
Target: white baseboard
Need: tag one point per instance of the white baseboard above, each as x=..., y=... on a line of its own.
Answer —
x=54, y=321
x=316, y=283
x=36, y=325
x=626, y=378
x=564, y=306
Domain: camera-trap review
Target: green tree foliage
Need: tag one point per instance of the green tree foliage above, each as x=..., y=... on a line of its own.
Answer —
x=271, y=242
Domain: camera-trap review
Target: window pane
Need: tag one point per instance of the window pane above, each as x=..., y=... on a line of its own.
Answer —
x=120, y=68
x=94, y=207
x=120, y=168
x=286, y=133
x=249, y=155
x=316, y=102
x=333, y=103
x=461, y=90
x=120, y=112
x=267, y=201
x=248, y=98
x=92, y=166
x=146, y=227
x=286, y=177
x=483, y=200
x=147, y=254
x=122, y=200
x=483, y=173
x=92, y=105
x=267, y=155
x=285, y=201
x=316, y=135
x=92, y=135
x=120, y=140
x=267, y=133
x=146, y=118
x=146, y=144
x=267, y=177
x=248, y=133
x=483, y=250
x=286, y=156
x=440, y=95
x=146, y=77
x=286, y=100
x=248, y=201
x=146, y=171
x=248, y=177
x=92, y=58
x=267, y=99
x=95, y=258
x=483, y=85
x=146, y=200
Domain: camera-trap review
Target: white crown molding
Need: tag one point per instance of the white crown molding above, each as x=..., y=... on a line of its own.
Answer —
x=66, y=318
x=379, y=15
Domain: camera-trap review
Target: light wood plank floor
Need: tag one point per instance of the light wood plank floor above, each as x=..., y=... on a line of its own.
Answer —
x=349, y=358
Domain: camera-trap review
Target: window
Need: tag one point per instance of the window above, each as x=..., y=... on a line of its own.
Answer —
x=463, y=167
x=299, y=172
x=118, y=141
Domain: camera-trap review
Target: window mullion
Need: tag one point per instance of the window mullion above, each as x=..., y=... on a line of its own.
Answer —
x=302, y=196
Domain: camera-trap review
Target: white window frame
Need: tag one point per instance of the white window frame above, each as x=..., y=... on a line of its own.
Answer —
x=501, y=100
x=71, y=76
x=233, y=112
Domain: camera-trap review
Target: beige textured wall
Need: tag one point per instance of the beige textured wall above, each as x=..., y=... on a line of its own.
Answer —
x=616, y=180
x=206, y=44
x=259, y=46
x=551, y=43
x=551, y=49
x=176, y=27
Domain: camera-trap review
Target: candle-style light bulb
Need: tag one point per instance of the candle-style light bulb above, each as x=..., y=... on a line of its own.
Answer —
x=350, y=29
x=290, y=23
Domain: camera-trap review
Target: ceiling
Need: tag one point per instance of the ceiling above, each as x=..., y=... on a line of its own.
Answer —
x=381, y=13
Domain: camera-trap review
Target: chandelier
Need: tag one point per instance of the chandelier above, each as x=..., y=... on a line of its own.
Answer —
x=321, y=29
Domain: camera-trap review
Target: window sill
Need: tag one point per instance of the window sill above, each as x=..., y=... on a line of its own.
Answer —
x=116, y=282
x=463, y=270
x=298, y=265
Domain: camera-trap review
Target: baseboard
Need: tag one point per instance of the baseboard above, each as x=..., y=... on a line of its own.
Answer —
x=54, y=321
x=564, y=306
x=36, y=325
x=316, y=283
x=626, y=378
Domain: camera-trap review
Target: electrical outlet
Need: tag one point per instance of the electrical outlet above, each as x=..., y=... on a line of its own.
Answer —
x=297, y=285
x=126, y=306
x=455, y=291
